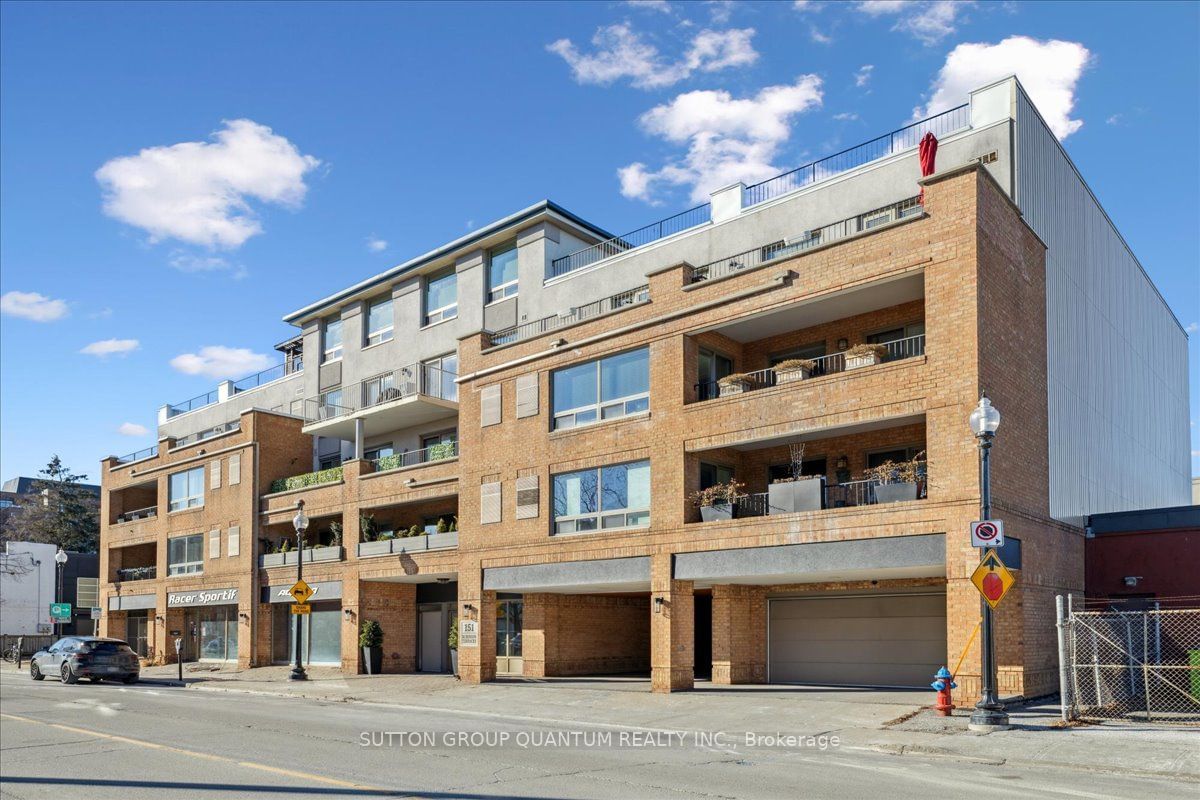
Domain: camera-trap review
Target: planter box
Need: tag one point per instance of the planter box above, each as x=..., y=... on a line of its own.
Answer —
x=454, y=661
x=727, y=389
x=380, y=548
x=714, y=513
x=806, y=494
x=895, y=492
x=291, y=558
x=373, y=660
x=792, y=375
x=440, y=541
x=869, y=360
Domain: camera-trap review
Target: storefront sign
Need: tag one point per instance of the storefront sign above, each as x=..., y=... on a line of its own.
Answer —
x=131, y=602
x=322, y=590
x=468, y=633
x=202, y=597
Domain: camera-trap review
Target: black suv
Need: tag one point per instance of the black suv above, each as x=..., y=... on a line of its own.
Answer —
x=91, y=657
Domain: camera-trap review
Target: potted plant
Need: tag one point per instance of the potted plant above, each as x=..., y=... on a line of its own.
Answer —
x=733, y=384
x=718, y=501
x=796, y=492
x=865, y=355
x=794, y=369
x=370, y=639
x=896, y=481
x=452, y=641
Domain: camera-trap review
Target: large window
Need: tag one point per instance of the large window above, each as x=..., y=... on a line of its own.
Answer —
x=185, y=555
x=441, y=296
x=333, y=339
x=502, y=272
x=438, y=377
x=605, y=498
x=186, y=489
x=380, y=323
x=606, y=389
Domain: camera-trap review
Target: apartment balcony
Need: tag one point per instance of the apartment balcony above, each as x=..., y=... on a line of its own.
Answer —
x=128, y=574
x=414, y=527
x=322, y=543
x=133, y=562
x=413, y=395
x=571, y=316
x=312, y=555
x=138, y=502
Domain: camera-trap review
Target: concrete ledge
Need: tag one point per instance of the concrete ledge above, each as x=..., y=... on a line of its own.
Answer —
x=601, y=575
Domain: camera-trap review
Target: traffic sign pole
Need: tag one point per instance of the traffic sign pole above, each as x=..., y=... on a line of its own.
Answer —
x=989, y=713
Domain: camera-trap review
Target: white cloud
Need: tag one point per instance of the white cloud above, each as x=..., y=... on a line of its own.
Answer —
x=111, y=347
x=1049, y=71
x=930, y=22
x=820, y=38
x=621, y=52
x=375, y=244
x=1193, y=327
x=846, y=116
x=661, y=6
x=728, y=139
x=32, y=306
x=215, y=361
x=863, y=76
x=803, y=5
x=199, y=192
x=1115, y=119
x=192, y=263
x=719, y=11
x=103, y=313
x=132, y=429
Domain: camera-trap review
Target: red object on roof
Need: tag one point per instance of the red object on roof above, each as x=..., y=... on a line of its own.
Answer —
x=927, y=154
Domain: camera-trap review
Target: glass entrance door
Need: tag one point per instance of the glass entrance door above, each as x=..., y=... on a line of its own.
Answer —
x=137, y=629
x=509, y=619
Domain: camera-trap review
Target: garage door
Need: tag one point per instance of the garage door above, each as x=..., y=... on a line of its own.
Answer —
x=862, y=640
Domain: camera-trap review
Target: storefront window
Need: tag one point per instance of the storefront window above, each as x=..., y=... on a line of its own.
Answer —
x=320, y=634
x=217, y=630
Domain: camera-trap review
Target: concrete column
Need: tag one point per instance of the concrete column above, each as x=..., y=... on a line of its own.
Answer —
x=739, y=635
x=727, y=201
x=224, y=391
x=672, y=645
x=359, y=438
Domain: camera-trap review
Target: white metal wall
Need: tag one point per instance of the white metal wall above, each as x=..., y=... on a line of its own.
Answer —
x=1117, y=357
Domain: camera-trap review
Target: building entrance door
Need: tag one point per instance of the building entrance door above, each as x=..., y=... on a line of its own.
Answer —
x=137, y=629
x=433, y=640
x=509, y=621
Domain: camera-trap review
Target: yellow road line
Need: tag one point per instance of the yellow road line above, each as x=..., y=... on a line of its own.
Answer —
x=196, y=754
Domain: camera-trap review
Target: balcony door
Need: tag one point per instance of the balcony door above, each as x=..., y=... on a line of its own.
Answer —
x=712, y=366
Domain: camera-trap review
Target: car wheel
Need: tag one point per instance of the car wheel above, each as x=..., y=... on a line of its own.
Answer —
x=68, y=676
x=129, y=679
x=35, y=673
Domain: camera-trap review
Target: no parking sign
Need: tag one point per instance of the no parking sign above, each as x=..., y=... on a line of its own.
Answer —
x=988, y=533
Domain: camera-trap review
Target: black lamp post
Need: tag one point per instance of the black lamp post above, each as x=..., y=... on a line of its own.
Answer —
x=300, y=523
x=989, y=713
x=60, y=561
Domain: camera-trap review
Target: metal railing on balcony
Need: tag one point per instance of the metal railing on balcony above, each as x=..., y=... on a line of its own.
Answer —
x=137, y=574
x=897, y=350
x=149, y=452
x=199, y=401
x=897, y=141
x=842, y=495
x=267, y=375
x=530, y=330
x=207, y=433
x=138, y=513
x=426, y=455
x=414, y=379
x=785, y=248
x=620, y=244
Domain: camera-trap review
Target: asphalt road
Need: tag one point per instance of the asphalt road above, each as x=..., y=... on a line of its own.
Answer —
x=100, y=741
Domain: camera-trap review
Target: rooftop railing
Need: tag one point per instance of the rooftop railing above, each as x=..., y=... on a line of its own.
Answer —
x=149, y=452
x=267, y=375
x=199, y=401
x=897, y=141
x=642, y=236
x=414, y=379
x=207, y=433
x=530, y=330
x=785, y=248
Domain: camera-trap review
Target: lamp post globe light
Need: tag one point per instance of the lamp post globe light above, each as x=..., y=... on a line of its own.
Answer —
x=989, y=714
x=60, y=560
x=300, y=523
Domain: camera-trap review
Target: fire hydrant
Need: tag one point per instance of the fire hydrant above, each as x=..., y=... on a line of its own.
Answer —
x=943, y=683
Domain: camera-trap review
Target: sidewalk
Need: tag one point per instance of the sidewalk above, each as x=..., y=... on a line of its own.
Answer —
x=895, y=722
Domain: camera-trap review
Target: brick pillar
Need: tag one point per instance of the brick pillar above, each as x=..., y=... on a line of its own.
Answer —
x=739, y=635
x=351, y=652
x=671, y=632
x=264, y=634
x=394, y=607
x=537, y=634
x=175, y=619
x=476, y=664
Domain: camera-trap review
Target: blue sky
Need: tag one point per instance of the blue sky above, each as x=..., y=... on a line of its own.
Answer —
x=328, y=143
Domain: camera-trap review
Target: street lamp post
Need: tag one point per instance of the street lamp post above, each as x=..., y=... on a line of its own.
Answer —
x=989, y=714
x=300, y=523
x=60, y=560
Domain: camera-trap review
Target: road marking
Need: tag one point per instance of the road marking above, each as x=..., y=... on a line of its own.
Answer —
x=308, y=776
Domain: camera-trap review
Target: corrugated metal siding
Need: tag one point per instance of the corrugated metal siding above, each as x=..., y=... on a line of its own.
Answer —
x=1117, y=358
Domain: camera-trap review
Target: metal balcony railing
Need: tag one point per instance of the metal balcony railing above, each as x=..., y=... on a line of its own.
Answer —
x=138, y=513
x=530, y=330
x=137, y=574
x=898, y=350
x=414, y=379
x=426, y=455
x=199, y=401
x=785, y=248
x=267, y=375
x=149, y=452
x=897, y=141
x=841, y=495
x=207, y=433
x=620, y=244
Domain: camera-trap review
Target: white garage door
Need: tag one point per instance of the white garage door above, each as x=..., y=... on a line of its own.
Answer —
x=860, y=640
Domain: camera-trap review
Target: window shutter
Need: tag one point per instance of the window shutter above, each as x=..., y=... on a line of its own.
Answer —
x=489, y=406
x=214, y=543
x=235, y=469
x=527, y=396
x=234, y=546
x=489, y=502
x=527, y=497
x=214, y=474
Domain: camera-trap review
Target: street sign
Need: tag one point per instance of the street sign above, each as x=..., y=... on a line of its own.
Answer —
x=60, y=611
x=302, y=608
x=301, y=591
x=988, y=533
x=992, y=578
x=97, y=612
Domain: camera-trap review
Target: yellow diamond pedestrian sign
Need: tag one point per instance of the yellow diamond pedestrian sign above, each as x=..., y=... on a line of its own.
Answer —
x=992, y=578
x=301, y=592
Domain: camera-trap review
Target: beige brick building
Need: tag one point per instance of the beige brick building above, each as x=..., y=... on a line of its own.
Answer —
x=515, y=430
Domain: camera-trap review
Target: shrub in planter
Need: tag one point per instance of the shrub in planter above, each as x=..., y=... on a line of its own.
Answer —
x=307, y=479
x=370, y=639
x=733, y=384
x=865, y=355
x=897, y=481
x=366, y=528
x=718, y=501
x=794, y=369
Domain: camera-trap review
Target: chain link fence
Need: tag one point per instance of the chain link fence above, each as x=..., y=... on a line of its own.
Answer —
x=1131, y=664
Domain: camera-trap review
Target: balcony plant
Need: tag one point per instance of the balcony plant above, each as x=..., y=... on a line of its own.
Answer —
x=452, y=642
x=897, y=481
x=719, y=501
x=865, y=355
x=366, y=528
x=441, y=450
x=733, y=384
x=370, y=639
x=389, y=462
x=794, y=369
x=796, y=492
x=317, y=478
